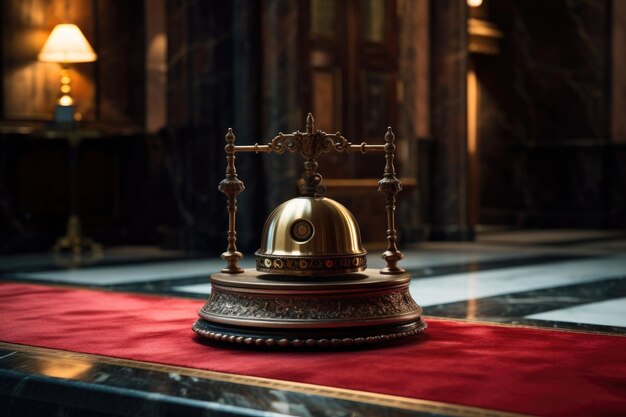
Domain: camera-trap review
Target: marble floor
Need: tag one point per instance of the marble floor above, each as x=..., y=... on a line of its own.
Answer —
x=568, y=279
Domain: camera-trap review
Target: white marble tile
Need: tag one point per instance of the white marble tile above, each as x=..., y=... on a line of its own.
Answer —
x=603, y=313
x=414, y=259
x=109, y=275
x=128, y=274
x=65, y=260
x=470, y=285
x=548, y=236
x=194, y=289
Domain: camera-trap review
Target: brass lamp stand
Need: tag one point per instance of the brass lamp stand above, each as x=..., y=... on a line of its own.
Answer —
x=74, y=240
x=311, y=286
x=67, y=44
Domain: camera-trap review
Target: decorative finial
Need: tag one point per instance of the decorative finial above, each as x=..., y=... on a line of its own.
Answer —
x=310, y=123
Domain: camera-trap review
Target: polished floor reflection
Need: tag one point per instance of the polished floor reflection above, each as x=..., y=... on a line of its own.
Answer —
x=558, y=279
x=543, y=278
x=603, y=313
x=123, y=387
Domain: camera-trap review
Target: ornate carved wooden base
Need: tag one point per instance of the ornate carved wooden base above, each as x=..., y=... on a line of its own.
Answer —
x=267, y=310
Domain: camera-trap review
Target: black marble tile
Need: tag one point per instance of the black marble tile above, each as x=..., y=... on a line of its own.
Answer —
x=164, y=287
x=36, y=381
x=10, y=265
x=167, y=286
x=429, y=272
x=514, y=307
x=562, y=325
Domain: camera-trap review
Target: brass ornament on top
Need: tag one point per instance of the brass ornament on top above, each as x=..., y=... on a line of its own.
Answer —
x=311, y=286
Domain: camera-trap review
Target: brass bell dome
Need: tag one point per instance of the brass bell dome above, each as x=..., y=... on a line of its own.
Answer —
x=311, y=236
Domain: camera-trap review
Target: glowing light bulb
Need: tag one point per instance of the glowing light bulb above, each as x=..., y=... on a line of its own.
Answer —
x=474, y=3
x=66, y=100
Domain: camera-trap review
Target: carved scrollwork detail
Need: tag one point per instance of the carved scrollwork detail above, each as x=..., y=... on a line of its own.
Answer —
x=380, y=306
x=309, y=145
x=286, y=142
x=334, y=142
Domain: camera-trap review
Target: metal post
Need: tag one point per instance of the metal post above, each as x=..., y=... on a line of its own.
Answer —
x=231, y=186
x=389, y=186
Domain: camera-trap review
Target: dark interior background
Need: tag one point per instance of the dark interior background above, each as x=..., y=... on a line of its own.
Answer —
x=547, y=148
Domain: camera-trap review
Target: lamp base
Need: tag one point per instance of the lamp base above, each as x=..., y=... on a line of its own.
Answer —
x=74, y=240
x=64, y=114
x=259, y=309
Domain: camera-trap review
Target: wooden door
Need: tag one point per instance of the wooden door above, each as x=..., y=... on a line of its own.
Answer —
x=350, y=86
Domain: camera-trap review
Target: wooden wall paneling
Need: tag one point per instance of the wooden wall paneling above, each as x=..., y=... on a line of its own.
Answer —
x=121, y=62
x=30, y=88
x=618, y=76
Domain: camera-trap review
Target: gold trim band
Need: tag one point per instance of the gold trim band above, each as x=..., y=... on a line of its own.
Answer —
x=311, y=265
x=525, y=326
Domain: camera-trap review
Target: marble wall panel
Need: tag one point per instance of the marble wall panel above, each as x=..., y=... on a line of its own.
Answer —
x=120, y=67
x=200, y=99
x=281, y=102
x=544, y=114
x=449, y=205
x=214, y=83
x=618, y=75
x=616, y=176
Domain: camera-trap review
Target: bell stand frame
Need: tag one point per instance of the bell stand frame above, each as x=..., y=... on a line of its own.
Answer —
x=310, y=144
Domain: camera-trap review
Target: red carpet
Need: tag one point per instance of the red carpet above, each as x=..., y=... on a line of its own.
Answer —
x=520, y=370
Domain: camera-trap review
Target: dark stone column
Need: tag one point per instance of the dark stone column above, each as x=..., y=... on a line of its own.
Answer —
x=212, y=85
x=281, y=99
x=414, y=121
x=544, y=115
x=617, y=154
x=246, y=123
x=449, y=120
x=618, y=75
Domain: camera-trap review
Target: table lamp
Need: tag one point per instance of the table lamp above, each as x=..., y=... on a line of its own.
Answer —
x=65, y=45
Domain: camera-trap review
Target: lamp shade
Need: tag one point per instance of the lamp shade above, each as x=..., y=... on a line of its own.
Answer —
x=66, y=44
